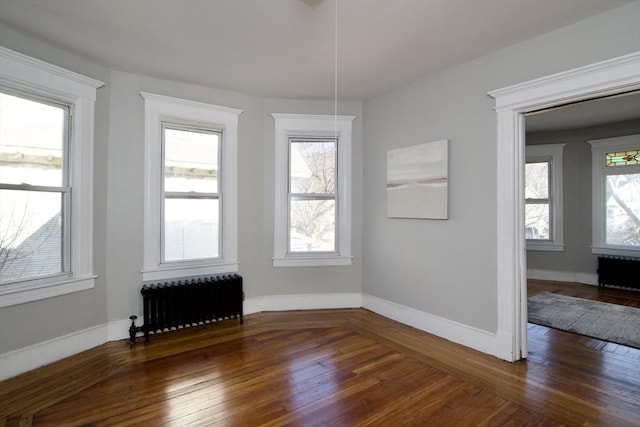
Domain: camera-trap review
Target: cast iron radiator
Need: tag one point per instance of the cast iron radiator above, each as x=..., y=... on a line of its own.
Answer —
x=616, y=271
x=173, y=305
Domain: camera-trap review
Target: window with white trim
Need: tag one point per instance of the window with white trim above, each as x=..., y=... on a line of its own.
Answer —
x=313, y=190
x=543, y=197
x=46, y=176
x=190, y=188
x=616, y=195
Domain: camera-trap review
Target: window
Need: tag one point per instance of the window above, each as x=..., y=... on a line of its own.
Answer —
x=190, y=188
x=616, y=195
x=46, y=176
x=313, y=190
x=543, y=197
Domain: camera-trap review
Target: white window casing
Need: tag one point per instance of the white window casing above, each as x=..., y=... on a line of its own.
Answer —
x=308, y=125
x=599, y=171
x=551, y=153
x=19, y=72
x=164, y=109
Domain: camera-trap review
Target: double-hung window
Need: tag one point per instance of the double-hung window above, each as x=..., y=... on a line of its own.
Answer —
x=46, y=179
x=616, y=195
x=190, y=215
x=543, y=197
x=313, y=190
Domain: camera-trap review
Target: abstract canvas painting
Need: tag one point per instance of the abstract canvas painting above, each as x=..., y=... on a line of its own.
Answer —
x=417, y=181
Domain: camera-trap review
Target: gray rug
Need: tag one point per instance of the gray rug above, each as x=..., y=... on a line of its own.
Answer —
x=607, y=322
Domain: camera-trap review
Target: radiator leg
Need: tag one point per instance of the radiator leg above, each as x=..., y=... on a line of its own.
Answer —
x=132, y=330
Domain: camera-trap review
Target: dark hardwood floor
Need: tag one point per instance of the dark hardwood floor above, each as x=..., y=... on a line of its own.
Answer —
x=330, y=367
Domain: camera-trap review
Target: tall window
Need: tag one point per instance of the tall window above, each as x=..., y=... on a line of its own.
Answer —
x=190, y=215
x=34, y=188
x=46, y=179
x=543, y=197
x=312, y=194
x=191, y=193
x=616, y=195
x=313, y=190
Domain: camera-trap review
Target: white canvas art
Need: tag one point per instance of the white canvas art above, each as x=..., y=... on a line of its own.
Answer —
x=417, y=181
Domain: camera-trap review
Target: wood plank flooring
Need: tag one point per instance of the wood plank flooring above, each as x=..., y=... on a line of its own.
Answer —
x=328, y=367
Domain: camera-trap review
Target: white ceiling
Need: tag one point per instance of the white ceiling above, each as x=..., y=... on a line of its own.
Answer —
x=285, y=48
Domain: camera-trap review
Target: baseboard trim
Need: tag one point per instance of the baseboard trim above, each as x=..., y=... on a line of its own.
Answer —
x=34, y=356
x=302, y=302
x=28, y=358
x=468, y=336
x=563, y=276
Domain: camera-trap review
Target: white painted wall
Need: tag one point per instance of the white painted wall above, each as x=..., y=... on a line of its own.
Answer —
x=448, y=268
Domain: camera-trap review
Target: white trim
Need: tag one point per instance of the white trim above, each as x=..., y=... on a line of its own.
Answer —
x=159, y=108
x=476, y=339
x=604, y=78
x=34, y=76
x=302, y=302
x=312, y=125
x=34, y=356
x=563, y=276
x=17, y=293
x=599, y=148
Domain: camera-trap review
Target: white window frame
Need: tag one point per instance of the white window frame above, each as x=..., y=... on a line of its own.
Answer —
x=161, y=109
x=599, y=171
x=551, y=153
x=309, y=125
x=20, y=72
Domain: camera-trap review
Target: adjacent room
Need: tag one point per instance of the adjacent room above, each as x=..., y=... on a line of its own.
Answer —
x=359, y=200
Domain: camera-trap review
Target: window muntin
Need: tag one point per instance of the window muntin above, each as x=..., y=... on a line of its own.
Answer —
x=312, y=194
x=34, y=188
x=192, y=202
x=616, y=195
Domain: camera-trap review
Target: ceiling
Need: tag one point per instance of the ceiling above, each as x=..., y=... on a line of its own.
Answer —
x=286, y=48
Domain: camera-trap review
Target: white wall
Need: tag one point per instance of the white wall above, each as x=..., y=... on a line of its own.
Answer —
x=448, y=268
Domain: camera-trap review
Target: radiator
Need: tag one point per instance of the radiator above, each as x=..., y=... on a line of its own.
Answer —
x=614, y=271
x=174, y=305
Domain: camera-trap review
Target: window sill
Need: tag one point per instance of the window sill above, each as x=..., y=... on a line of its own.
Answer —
x=633, y=253
x=545, y=246
x=20, y=293
x=312, y=261
x=183, y=272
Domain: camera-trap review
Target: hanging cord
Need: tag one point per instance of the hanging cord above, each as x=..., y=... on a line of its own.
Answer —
x=335, y=76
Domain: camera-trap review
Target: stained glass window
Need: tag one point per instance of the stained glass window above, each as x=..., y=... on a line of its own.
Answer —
x=623, y=158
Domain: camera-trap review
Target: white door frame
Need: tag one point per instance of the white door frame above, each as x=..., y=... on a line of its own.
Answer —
x=604, y=78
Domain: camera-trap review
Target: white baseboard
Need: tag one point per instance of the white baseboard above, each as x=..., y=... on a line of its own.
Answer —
x=476, y=339
x=34, y=356
x=563, y=276
x=25, y=359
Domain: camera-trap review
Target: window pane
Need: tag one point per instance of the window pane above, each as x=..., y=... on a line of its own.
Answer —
x=31, y=142
x=31, y=234
x=191, y=160
x=623, y=158
x=537, y=221
x=536, y=180
x=190, y=229
x=313, y=226
x=623, y=210
x=312, y=167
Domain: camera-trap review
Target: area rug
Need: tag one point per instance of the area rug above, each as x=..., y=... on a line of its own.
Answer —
x=604, y=321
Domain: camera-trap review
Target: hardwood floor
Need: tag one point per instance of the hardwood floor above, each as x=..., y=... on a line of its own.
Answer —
x=328, y=367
